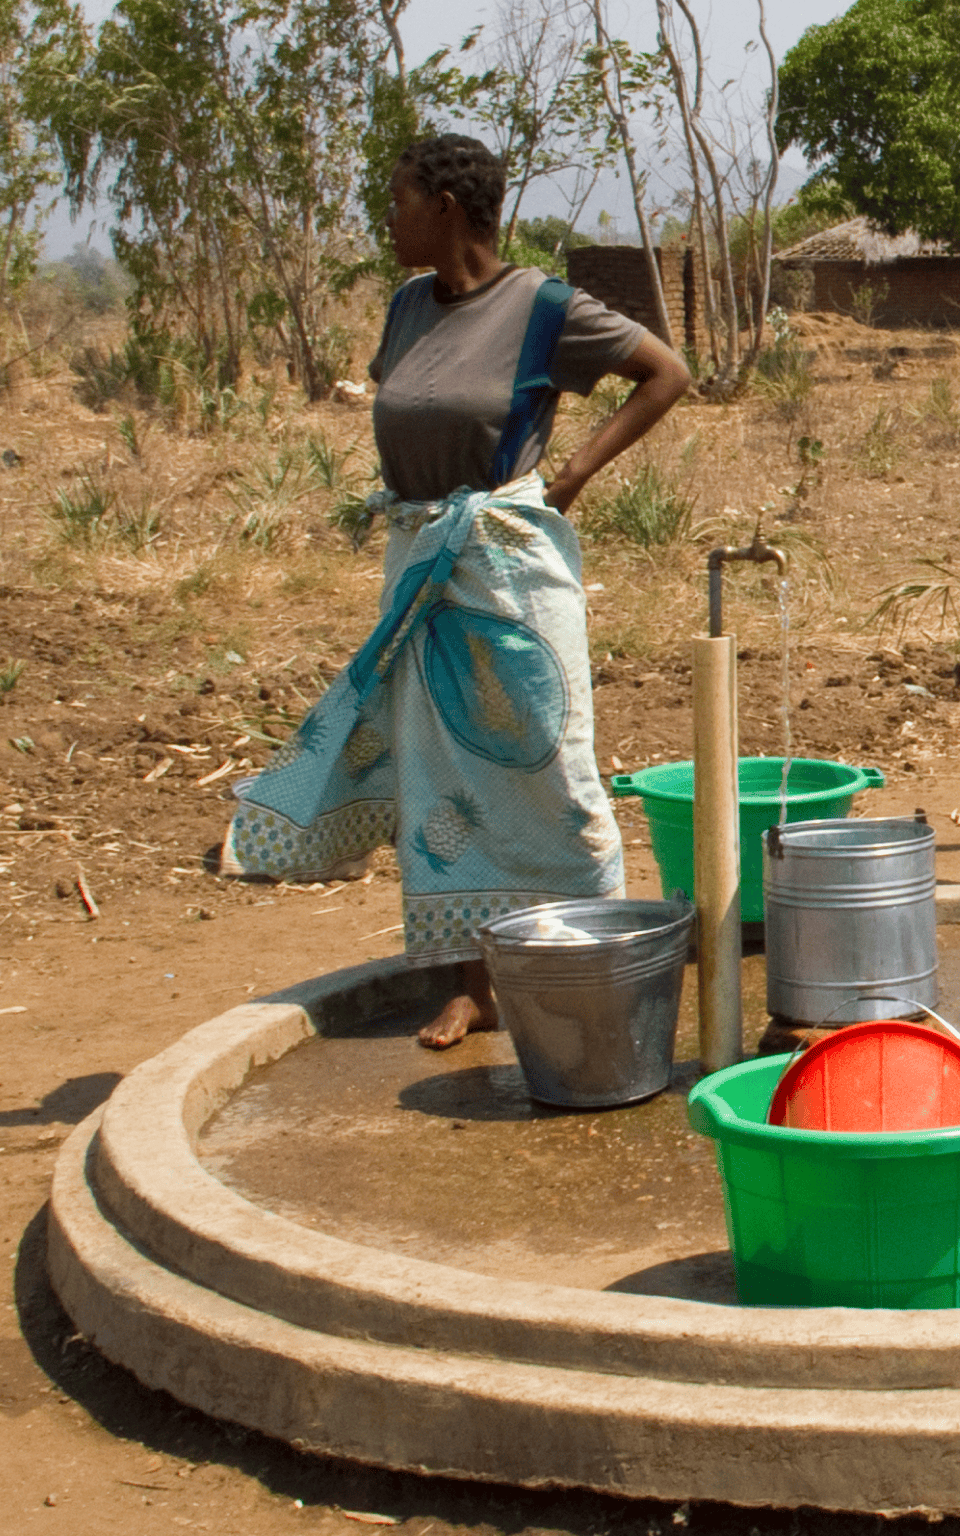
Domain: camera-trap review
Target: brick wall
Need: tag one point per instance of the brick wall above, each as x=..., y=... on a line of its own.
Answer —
x=923, y=290
x=617, y=275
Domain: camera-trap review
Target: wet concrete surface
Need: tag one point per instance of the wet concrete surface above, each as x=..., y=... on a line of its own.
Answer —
x=444, y=1156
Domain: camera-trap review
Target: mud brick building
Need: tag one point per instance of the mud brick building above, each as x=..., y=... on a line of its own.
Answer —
x=915, y=284
x=617, y=275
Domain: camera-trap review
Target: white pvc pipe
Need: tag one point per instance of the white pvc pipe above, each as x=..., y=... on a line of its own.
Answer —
x=716, y=850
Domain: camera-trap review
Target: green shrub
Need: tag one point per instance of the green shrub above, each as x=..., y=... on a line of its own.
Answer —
x=880, y=448
x=91, y=515
x=868, y=299
x=651, y=509
x=327, y=463
x=351, y=518
x=333, y=353
x=783, y=372
x=11, y=672
x=79, y=515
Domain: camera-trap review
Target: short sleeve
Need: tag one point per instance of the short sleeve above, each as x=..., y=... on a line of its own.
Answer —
x=594, y=341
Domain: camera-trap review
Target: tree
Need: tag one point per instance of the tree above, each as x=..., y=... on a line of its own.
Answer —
x=405, y=104
x=37, y=43
x=528, y=97
x=540, y=108
x=230, y=133
x=719, y=161
x=532, y=101
x=873, y=99
x=296, y=109
x=627, y=81
x=544, y=242
x=725, y=172
x=96, y=281
x=551, y=234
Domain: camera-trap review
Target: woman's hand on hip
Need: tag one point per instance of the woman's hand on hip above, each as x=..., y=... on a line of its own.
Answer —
x=662, y=377
x=563, y=491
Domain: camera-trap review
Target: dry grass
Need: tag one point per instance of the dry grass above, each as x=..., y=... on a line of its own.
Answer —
x=228, y=511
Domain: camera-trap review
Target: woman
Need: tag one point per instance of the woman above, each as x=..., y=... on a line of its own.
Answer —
x=463, y=729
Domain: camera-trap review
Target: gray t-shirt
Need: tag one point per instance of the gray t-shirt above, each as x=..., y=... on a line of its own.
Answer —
x=445, y=373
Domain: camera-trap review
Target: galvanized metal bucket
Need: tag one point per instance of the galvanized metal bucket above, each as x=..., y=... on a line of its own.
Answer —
x=850, y=912
x=593, y=1024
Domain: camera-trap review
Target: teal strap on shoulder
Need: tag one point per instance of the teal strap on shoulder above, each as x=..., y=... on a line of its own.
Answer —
x=400, y=295
x=531, y=384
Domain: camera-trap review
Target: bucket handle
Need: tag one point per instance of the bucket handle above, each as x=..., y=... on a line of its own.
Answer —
x=881, y=997
x=876, y=997
x=873, y=997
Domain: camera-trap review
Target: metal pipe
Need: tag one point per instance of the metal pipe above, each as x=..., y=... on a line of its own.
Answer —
x=757, y=550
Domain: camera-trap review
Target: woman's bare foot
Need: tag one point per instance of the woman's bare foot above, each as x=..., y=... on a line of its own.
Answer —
x=472, y=1009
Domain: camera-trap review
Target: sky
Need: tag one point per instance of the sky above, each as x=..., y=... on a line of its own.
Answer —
x=728, y=26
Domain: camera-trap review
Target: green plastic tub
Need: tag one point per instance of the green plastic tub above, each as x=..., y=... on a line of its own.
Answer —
x=815, y=789
x=830, y=1218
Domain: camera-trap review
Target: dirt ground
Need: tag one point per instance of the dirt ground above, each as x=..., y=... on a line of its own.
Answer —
x=146, y=691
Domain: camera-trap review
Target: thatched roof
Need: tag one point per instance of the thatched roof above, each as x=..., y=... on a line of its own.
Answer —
x=858, y=240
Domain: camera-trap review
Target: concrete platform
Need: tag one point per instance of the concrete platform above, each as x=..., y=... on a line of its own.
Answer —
x=297, y=1219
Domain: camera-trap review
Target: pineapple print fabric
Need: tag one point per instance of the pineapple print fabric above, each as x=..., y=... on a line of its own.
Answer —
x=462, y=731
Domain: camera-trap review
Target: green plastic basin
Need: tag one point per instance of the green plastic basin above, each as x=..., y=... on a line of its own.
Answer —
x=816, y=790
x=830, y=1218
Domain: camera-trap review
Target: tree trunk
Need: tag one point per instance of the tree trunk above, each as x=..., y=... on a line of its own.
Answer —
x=615, y=107
x=766, y=251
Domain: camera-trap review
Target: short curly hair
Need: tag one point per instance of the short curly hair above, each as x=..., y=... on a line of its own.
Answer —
x=467, y=168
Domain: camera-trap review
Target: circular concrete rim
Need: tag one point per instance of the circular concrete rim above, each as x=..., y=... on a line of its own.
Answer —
x=464, y=1415
x=150, y=1182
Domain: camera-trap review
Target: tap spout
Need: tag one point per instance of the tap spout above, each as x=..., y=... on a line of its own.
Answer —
x=757, y=550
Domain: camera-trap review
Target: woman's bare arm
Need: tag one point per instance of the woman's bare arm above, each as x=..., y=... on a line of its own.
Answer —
x=662, y=377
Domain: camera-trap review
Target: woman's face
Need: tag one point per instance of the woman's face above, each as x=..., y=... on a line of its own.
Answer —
x=412, y=219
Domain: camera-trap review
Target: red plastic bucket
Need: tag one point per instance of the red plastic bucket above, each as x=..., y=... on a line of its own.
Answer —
x=882, y=1075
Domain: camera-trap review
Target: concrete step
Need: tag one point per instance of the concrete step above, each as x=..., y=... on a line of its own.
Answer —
x=348, y=1349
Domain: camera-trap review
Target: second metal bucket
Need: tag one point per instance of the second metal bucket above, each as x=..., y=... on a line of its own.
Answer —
x=593, y=1024
x=851, y=922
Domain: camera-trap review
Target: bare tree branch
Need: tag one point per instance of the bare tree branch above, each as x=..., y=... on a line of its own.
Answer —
x=614, y=97
x=773, y=105
x=697, y=141
x=714, y=198
x=390, y=10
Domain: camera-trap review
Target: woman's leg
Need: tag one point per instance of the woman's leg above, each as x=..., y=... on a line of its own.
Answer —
x=472, y=1009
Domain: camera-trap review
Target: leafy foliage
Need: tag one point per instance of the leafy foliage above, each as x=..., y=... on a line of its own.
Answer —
x=401, y=107
x=933, y=594
x=96, y=282
x=229, y=133
x=79, y=516
x=93, y=515
x=872, y=99
x=550, y=234
x=38, y=44
x=868, y=299
x=789, y=224
x=539, y=104
x=543, y=242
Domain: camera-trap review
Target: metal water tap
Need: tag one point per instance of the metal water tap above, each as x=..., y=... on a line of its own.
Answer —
x=757, y=550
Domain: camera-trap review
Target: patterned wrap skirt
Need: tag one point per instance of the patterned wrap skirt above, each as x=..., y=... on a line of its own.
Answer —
x=461, y=731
